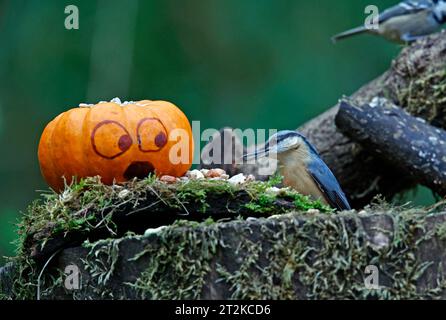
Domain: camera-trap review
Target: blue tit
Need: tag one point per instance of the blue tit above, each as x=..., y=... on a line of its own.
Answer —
x=302, y=168
x=405, y=22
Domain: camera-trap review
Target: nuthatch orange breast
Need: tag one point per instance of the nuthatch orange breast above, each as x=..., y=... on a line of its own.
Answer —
x=302, y=168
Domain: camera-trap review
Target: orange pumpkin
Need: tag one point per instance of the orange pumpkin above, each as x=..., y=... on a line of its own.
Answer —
x=115, y=141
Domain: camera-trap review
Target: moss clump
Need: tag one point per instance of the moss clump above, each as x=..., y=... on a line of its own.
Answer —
x=425, y=96
x=267, y=203
x=265, y=199
x=263, y=204
x=89, y=205
x=441, y=231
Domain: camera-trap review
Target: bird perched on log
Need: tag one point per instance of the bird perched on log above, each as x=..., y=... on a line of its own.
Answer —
x=302, y=168
x=405, y=22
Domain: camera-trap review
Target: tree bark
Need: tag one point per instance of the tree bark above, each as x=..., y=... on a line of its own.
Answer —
x=404, y=141
x=285, y=257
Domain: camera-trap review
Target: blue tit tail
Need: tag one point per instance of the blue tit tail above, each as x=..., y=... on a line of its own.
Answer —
x=349, y=33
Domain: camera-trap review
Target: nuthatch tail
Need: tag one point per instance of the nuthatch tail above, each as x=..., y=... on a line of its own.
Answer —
x=405, y=22
x=302, y=168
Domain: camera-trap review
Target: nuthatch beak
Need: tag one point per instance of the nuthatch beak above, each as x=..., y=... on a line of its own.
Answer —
x=274, y=146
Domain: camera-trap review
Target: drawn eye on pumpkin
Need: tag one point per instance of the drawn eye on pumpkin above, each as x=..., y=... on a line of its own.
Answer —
x=110, y=139
x=152, y=135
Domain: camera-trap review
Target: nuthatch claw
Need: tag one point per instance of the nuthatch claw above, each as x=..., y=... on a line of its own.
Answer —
x=302, y=168
x=405, y=22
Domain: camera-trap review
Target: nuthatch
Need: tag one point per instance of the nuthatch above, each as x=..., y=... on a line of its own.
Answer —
x=302, y=168
x=406, y=21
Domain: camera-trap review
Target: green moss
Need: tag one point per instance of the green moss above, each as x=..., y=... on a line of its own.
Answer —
x=100, y=264
x=441, y=231
x=304, y=203
x=88, y=205
x=266, y=201
x=425, y=97
x=328, y=257
x=263, y=204
x=325, y=254
x=24, y=285
x=178, y=267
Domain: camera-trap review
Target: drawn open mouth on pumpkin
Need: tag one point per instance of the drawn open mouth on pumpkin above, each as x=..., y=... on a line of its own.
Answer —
x=139, y=169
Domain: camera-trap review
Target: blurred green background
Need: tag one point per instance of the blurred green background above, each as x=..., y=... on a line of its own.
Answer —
x=239, y=63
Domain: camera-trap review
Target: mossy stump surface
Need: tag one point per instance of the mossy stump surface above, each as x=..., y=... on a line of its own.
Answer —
x=268, y=247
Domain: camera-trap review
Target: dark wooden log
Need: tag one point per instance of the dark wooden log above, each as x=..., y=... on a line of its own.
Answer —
x=405, y=141
x=285, y=257
x=415, y=81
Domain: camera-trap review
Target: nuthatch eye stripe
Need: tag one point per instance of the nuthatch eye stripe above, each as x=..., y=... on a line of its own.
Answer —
x=278, y=143
x=302, y=168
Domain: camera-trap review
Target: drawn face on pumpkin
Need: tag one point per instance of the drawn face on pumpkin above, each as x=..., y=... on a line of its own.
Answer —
x=110, y=140
x=113, y=141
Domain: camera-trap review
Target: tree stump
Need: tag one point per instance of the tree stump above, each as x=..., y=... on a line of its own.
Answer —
x=283, y=257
